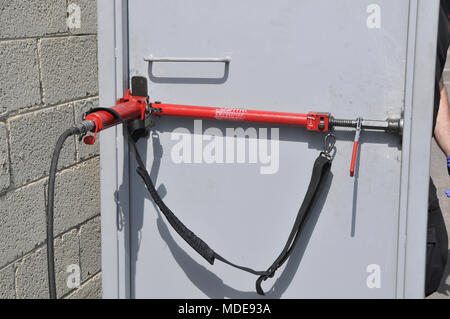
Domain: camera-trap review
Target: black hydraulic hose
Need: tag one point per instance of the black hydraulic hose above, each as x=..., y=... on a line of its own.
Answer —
x=50, y=208
x=81, y=128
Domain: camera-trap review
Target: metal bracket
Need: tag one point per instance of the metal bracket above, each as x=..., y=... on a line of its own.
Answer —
x=394, y=126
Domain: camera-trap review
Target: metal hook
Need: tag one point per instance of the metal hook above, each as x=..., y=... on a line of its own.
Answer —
x=330, y=141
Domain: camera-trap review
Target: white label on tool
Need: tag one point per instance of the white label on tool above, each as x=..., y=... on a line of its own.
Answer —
x=230, y=114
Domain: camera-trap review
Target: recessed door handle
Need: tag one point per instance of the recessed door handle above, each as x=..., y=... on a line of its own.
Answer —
x=151, y=58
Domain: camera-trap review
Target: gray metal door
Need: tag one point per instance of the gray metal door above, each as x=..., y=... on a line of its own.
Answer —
x=239, y=186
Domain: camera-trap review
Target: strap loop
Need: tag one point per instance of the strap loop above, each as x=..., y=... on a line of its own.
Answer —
x=321, y=169
x=320, y=172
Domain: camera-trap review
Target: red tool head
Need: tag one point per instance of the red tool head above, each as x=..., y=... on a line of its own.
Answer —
x=131, y=106
x=318, y=122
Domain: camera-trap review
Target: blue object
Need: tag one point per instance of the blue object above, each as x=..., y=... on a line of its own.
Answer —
x=447, y=192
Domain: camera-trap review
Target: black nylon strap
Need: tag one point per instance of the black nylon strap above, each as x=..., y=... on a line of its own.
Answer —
x=321, y=169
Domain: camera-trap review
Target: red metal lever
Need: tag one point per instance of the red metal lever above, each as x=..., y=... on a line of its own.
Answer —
x=354, y=154
x=355, y=146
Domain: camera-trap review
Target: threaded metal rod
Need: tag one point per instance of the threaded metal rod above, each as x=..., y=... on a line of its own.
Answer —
x=390, y=125
x=342, y=123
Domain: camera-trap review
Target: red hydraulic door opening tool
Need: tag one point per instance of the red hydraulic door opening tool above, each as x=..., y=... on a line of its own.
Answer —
x=132, y=107
x=135, y=109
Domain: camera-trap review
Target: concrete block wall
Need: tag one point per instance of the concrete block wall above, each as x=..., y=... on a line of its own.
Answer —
x=48, y=78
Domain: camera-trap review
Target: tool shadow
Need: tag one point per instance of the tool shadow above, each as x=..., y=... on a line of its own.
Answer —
x=202, y=277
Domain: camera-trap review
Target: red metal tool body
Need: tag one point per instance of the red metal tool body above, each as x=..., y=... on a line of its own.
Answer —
x=313, y=121
x=132, y=107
